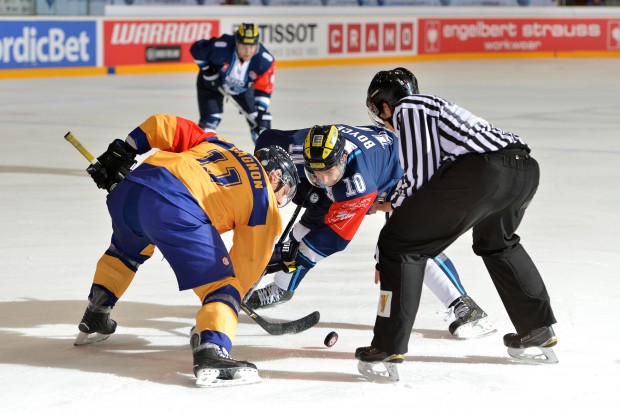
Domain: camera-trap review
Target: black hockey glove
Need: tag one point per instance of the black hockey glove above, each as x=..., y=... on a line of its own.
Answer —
x=114, y=164
x=283, y=257
x=211, y=76
x=262, y=120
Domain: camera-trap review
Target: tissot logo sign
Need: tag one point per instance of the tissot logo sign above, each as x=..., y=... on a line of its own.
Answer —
x=353, y=38
x=130, y=42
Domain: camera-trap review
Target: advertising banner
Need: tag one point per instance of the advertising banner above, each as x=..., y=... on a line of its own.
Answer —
x=517, y=35
x=311, y=38
x=47, y=44
x=134, y=42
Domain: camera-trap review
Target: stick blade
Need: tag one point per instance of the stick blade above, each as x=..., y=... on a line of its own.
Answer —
x=287, y=327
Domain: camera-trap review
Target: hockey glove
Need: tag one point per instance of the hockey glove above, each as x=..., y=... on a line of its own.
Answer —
x=262, y=120
x=211, y=76
x=114, y=164
x=283, y=257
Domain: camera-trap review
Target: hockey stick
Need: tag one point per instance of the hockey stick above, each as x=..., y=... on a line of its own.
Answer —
x=287, y=327
x=77, y=145
x=238, y=106
x=273, y=328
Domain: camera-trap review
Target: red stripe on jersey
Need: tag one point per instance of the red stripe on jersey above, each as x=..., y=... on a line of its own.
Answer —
x=264, y=82
x=344, y=218
x=187, y=135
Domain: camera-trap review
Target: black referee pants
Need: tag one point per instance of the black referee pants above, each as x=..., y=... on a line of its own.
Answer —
x=487, y=193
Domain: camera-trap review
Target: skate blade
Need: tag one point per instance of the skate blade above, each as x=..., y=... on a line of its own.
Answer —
x=84, y=339
x=534, y=355
x=380, y=371
x=475, y=329
x=208, y=378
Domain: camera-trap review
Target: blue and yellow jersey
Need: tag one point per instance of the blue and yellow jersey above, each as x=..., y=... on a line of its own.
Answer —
x=201, y=172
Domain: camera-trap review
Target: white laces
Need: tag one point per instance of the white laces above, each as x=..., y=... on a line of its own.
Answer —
x=269, y=294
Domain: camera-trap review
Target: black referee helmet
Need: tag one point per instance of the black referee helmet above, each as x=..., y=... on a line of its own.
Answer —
x=390, y=86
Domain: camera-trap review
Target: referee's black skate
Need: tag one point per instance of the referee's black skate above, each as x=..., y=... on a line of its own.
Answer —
x=96, y=324
x=268, y=296
x=470, y=320
x=377, y=364
x=534, y=346
x=213, y=366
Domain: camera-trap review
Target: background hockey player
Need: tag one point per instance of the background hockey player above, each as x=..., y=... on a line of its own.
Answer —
x=180, y=199
x=364, y=160
x=461, y=173
x=240, y=66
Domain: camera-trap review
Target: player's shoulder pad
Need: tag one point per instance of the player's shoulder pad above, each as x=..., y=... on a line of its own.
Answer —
x=277, y=137
x=267, y=56
x=225, y=40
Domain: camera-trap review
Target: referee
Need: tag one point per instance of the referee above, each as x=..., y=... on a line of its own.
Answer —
x=460, y=172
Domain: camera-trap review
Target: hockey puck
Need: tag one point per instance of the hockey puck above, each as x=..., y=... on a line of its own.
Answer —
x=331, y=339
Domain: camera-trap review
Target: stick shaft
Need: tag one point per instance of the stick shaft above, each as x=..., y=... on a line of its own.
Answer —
x=81, y=149
x=234, y=102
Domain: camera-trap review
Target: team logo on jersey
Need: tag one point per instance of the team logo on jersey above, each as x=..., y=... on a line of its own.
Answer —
x=384, y=139
x=314, y=198
x=225, y=261
x=385, y=304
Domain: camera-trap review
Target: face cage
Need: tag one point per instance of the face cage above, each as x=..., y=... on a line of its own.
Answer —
x=286, y=199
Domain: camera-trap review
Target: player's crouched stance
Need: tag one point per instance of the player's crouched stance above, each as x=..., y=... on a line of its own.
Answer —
x=180, y=199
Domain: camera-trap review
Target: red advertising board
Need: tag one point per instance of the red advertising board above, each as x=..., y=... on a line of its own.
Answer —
x=131, y=42
x=370, y=37
x=517, y=35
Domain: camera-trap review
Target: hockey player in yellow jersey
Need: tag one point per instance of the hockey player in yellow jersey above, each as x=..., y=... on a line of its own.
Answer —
x=180, y=199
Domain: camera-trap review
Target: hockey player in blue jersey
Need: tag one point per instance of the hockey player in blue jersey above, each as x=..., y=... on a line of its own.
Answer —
x=348, y=168
x=238, y=66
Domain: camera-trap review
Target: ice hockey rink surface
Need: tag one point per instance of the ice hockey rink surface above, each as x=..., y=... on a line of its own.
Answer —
x=55, y=226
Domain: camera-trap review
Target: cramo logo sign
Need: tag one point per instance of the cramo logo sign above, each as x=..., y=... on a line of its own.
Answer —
x=154, y=32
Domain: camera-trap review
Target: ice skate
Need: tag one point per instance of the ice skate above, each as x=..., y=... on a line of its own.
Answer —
x=534, y=346
x=268, y=296
x=213, y=367
x=96, y=324
x=471, y=321
x=375, y=364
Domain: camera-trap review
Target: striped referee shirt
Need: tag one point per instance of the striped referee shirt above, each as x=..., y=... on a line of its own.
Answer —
x=433, y=131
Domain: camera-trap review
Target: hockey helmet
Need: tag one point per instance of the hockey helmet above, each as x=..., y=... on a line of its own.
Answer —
x=324, y=150
x=274, y=158
x=247, y=33
x=389, y=86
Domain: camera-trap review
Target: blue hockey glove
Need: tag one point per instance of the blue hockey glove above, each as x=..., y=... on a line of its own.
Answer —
x=114, y=164
x=283, y=257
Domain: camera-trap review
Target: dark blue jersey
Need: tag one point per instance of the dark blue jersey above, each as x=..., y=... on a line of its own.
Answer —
x=237, y=77
x=372, y=170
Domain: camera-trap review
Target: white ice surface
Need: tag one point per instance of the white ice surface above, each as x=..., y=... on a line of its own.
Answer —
x=54, y=227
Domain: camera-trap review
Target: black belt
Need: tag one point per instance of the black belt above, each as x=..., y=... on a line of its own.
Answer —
x=517, y=153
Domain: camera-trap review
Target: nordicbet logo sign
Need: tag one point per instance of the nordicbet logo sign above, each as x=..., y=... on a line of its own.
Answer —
x=40, y=44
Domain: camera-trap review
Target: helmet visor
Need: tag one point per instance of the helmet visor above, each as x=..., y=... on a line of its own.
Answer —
x=285, y=191
x=326, y=178
x=373, y=114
